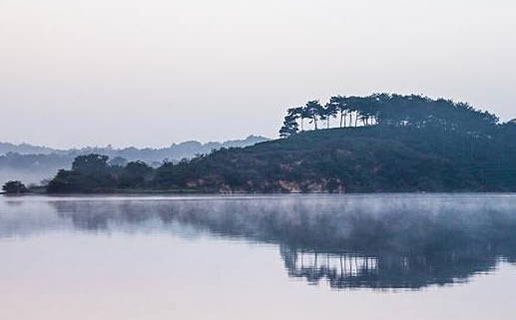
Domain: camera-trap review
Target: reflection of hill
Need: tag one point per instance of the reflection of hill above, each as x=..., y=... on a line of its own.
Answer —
x=351, y=241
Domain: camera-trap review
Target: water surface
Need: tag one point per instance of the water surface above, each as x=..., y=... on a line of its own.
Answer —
x=258, y=257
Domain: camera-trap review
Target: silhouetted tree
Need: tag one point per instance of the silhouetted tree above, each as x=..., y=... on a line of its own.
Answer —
x=14, y=187
x=314, y=110
x=296, y=114
x=329, y=111
x=339, y=103
x=290, y=126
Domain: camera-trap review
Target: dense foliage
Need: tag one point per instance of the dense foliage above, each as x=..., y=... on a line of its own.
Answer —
x=93, y=173
x=14, y=187
x=386, y=109
x=400, y=143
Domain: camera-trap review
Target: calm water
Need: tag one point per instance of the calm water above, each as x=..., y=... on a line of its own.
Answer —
x=279, y=257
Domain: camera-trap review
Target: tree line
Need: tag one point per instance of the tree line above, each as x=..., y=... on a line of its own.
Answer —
x=385, y=109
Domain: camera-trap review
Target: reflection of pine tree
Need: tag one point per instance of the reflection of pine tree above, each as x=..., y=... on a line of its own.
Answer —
x=387, y=271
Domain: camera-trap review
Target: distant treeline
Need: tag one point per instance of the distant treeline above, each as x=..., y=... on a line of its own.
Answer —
x=175, y=151
x=34, y=162
x=388, y=143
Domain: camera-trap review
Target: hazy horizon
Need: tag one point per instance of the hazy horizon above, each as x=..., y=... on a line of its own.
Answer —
x=87, y=73
x=109, y=145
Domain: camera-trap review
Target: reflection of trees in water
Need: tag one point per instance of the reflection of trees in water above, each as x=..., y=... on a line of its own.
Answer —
x=85, y=215
x=349, y=270
x=104, y=215
x=348, y=241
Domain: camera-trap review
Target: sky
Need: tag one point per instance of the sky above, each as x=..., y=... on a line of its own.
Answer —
x=155, y=72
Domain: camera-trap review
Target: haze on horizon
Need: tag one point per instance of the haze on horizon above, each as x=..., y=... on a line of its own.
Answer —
x=75, y=73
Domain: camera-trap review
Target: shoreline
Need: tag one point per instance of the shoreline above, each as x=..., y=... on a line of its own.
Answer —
x=229, y=194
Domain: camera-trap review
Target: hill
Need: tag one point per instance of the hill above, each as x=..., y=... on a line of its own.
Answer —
x=24, y=148
x=367, y=159
x=391, y=144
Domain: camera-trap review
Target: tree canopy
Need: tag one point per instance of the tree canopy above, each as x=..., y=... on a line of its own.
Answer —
x=388, y=110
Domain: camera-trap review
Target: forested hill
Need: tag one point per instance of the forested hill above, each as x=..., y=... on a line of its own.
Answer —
x=382, y=143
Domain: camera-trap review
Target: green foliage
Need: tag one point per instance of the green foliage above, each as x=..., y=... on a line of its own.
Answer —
x=14, y=187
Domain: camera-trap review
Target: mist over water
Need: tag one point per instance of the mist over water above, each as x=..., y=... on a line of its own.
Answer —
x=392, y=241
x=399, y=243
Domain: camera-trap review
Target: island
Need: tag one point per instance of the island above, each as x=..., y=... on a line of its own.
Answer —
x=377, y=143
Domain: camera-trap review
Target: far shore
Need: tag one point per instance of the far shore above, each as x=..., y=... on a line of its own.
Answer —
x=197, y=193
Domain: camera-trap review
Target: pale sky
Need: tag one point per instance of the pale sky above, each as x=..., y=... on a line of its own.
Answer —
x=154, y=72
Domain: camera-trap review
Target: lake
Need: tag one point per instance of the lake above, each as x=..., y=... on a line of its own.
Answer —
x=390, y=256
